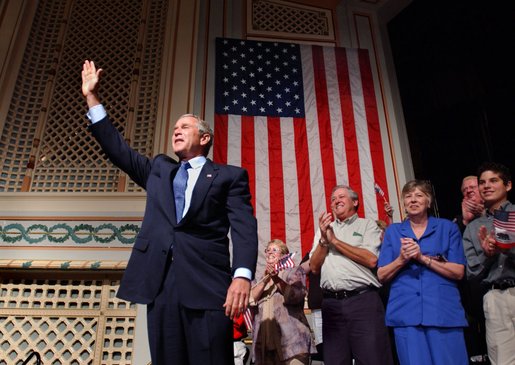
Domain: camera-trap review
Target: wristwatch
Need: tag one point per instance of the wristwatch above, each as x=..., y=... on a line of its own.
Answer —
x=323, y=243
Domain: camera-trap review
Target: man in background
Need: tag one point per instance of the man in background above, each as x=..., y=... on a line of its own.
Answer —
x=472, y=205
x=345, y=254
x=493, y=266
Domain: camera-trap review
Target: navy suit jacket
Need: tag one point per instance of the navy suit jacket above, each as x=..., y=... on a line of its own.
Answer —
x=201, y=260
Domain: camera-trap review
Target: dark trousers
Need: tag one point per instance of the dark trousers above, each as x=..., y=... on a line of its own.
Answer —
x=183, y=336
x=355, y=328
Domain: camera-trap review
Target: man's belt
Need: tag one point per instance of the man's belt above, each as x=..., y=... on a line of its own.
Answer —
x=503, y=284
x=344, y=294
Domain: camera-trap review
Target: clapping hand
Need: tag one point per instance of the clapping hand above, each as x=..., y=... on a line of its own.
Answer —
x=487, y=241
x=470, y=209
x=271, y=270
x=409, y=249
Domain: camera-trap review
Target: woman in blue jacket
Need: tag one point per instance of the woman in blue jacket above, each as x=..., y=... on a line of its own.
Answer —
x=423, y=258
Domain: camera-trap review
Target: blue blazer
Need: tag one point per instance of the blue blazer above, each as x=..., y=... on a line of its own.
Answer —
x=201, y=258
x=419, y=295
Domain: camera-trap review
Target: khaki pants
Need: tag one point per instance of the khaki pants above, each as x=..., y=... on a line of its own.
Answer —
x=499, y=307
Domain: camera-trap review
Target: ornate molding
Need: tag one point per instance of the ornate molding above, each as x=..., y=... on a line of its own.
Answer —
x=62, y=264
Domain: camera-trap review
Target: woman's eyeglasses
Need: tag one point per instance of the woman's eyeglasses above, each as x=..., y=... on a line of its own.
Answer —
x=273, y=249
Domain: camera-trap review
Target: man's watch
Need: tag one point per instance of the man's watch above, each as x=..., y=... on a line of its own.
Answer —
x=323, y=243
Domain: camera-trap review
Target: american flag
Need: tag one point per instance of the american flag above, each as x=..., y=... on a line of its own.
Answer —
x=300, y=119
x=248, y=317
x=380, y=191
x=504, y=228
x=285, y=262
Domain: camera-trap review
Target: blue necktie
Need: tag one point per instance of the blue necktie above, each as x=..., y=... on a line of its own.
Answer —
x=179, y=189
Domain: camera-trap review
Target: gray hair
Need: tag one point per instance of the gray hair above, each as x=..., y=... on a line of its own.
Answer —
x=352, y=194
x=203, y=128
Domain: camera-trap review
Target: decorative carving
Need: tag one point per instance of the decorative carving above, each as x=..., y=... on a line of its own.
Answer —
x=290, y=20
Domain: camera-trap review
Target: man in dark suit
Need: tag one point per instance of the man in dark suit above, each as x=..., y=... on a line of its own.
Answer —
x=180, y=263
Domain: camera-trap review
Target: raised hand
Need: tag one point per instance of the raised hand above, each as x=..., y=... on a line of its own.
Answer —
x=90, y=81
x=388, y=209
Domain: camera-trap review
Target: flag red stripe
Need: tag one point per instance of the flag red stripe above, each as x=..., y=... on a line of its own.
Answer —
x=277, y=210
x=248, y=155
x=505, y=225
x=374, y=130
x=304, y=186
x=248, y=317
x=349, y=124
x=220, y=138
x=324, y=121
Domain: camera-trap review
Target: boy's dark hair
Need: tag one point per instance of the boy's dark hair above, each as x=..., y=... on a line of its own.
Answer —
x=500, y=169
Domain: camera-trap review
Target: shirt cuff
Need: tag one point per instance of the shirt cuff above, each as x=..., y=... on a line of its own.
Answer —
x=96, y=113
x=243, y=272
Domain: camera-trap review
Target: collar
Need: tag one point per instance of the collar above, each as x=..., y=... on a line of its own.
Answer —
x=349, y=220
x=501, y=207
x=197, y=162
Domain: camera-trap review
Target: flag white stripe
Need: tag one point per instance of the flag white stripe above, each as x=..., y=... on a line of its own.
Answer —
x=313, y=137
x=291, y=191
x=365, y=158
x=335, y=111
x=234, y=140
x=262, y=180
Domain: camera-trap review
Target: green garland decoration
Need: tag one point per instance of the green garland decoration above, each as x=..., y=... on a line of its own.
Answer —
x=52, y=237
x=106, y=239
x=127, y=228
x=34, y=227
x=87, y=236
x=62, y=232
x=10, y=238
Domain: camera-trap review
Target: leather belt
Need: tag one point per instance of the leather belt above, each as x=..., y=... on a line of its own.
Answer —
x=503, y=284
x=344, y=294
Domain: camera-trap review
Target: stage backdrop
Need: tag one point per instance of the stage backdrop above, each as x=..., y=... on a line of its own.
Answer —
x=300, y=119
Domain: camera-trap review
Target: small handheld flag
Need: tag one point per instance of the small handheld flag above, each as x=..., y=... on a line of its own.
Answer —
x=379, y=191
x=285, y=262
x=504, y=228
x=248, y=317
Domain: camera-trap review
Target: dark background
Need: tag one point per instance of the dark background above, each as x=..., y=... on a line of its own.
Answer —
x=456, y=74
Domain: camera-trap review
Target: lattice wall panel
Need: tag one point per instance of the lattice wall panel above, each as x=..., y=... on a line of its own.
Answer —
x=45, y=139
x=19, y=132
x=148, y=73
x=290, y=19
x=66, y=321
